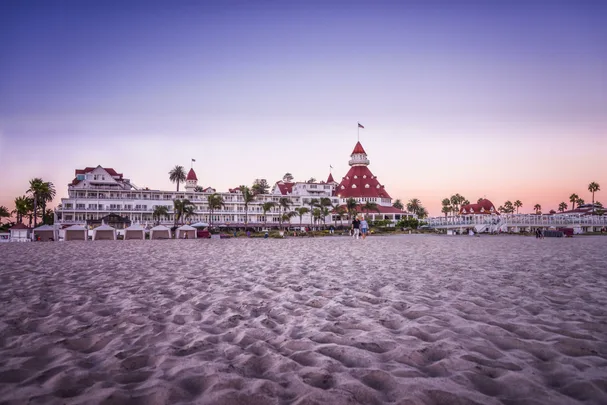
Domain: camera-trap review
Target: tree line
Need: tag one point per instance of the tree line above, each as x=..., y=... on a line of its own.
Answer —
x=32, y=205
x=456, y=201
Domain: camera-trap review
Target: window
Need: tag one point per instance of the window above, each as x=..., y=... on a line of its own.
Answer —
x=366, y=186
x=80, y=177
x=353, y=185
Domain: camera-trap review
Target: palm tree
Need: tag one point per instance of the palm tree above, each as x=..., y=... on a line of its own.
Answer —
x=479, y=200
x=181, y=207
x=4, y=212
x=316, y=214
x=422, y=212
x=215, y=202
x=313, y=203
x=161, y=211
x=301, y=211
x=49, y=217
x=324, y=205
x=562, y=206
x=287, y=178
x=593, y=187
x=518, y=204
x=370, y=206
x=177, y=175
x=537, y=208
x=189, y=211
x=447, y=208
x=456, y=201
x=198, y=189
x=398, y=204
x=573, y=199
x=351, y=207
x=340, y=212
x=46, y=195
x=509, y=207
x=286, y=217
x=247, y=198
x=267, y=206
x=23, y=206
x=283, y=203
x=36, y=189
x=414, y=204
x=580, y=201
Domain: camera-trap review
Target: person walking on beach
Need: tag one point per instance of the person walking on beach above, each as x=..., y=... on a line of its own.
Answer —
x=364, y=228
x=355, y=227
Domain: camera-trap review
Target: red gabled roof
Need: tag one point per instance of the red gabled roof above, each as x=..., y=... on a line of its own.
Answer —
x=109, y=170
x=19, y=226
x=192, y=175
x=482, y=207
x=330, y=178
x=285, y=188
x=358, y=149
x=360, y=177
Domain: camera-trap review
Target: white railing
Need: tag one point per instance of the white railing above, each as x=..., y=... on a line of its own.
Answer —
x=519, y=220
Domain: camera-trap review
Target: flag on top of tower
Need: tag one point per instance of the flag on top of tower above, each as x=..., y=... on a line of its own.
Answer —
x=360, y=126
x=193, y=160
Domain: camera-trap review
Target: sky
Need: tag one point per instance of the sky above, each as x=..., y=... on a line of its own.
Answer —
x=503, y=100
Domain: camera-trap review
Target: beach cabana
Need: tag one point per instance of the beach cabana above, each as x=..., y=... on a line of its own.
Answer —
x=76, y=232
x=200, y=225
x=186, y=231
x=20, y=233
x=104, y=232
x=134, y=232
x=160, y=232
x=45, y=233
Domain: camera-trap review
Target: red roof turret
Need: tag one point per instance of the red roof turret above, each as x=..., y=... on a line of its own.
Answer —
x=192, y=175
x=330, y=178
x=358, y=149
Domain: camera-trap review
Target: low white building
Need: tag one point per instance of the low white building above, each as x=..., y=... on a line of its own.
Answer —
x=20, y=233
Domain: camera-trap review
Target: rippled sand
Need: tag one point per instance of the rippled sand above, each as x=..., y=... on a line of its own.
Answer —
x=402, y=320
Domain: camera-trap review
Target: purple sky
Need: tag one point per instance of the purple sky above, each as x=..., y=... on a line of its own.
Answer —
x=507, y=101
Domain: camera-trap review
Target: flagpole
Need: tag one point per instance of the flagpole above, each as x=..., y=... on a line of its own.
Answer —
x=358, y=132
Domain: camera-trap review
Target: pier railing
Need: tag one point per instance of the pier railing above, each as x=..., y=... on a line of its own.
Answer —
x=517, y=220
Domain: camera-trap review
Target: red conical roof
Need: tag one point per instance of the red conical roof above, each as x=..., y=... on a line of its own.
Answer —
x=330, y=178
x=192, y=175
x=358, y=149
x=360, y=182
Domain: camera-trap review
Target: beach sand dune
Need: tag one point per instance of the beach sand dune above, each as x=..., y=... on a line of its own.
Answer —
x=414, y=319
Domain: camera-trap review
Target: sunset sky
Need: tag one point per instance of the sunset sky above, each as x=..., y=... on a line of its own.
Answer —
x=506, y=100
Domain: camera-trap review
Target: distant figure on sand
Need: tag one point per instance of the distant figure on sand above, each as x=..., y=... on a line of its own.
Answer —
x=364, y=227
x=355, y=227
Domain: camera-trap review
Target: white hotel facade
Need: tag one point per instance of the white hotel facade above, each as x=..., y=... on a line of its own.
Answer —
x=97, y=192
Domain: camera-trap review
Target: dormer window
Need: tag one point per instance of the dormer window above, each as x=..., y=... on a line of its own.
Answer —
x=367, y=186
x=353, y=185
x=342, y=187
x=355, y=177
x=364, y=176
x=378, y=186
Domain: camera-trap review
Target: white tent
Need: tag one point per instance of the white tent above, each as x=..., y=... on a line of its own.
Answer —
x=200, y=225
x=134, y=232
x=45, y=233
x=160, y=232
x=76, y=232
x=186, y=231
x=104, y=232
x=20, y=233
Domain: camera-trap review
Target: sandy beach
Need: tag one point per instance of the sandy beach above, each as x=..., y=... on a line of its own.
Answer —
x=411, y=319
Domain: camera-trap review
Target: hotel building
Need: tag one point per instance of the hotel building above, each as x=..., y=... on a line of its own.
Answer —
x=97, y=192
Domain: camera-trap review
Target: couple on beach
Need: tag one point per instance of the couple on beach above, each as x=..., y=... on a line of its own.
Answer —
x=359, y=227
